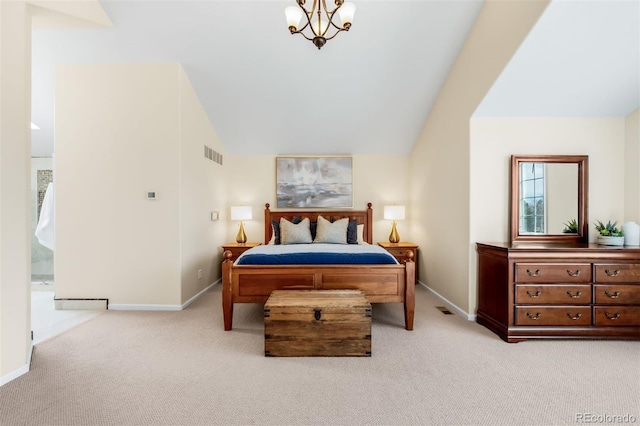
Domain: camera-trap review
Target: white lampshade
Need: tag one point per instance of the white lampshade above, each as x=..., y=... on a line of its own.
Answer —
x=294, y=15
x=241, y=213
x=346, y=12
x=393, y=212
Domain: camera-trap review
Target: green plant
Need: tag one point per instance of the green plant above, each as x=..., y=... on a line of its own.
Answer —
x=608, y=230
x=571, y=227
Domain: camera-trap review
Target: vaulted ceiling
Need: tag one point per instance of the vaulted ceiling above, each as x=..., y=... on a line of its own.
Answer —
x=367, y=91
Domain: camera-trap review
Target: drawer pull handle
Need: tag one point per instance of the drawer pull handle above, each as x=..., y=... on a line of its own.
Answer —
x=574, y=317
x=612, y=317
x=534, y=317
x=533, y=274
x=612, y=274
x=574, y=296
x=615, y=294
x=534, y=295
x=317, y=314
x=574, y=274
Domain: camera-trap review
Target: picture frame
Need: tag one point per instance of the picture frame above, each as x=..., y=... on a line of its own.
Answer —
x=314, y=181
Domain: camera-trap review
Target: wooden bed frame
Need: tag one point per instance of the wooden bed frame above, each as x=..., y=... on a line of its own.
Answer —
x=381, y=283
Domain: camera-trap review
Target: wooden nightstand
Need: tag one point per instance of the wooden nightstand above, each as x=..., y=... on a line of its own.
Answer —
x=398, y=251
x=238, y=248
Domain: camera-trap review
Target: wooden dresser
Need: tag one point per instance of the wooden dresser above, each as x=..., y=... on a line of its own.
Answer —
x=558, y=290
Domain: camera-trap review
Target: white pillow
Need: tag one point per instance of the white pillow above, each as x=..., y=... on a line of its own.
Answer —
x=332, y=233
x=292, y=233
x=272, y=241
x=361, y=235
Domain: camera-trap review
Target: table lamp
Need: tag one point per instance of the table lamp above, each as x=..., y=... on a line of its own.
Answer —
x=241, y=213
x=394, y=213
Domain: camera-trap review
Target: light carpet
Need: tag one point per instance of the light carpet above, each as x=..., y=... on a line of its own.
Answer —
x=181, y=368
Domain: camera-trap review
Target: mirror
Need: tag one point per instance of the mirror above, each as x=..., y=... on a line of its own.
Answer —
x=549, y=198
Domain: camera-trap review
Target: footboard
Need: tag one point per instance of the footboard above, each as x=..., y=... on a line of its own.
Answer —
x=381, y=283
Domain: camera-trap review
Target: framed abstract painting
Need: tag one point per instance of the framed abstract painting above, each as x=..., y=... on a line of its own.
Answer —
x=314, y=182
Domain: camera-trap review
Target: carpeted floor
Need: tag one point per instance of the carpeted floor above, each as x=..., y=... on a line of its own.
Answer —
x=181, y=368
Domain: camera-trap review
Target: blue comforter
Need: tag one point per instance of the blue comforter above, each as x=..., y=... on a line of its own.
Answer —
x=316, y=254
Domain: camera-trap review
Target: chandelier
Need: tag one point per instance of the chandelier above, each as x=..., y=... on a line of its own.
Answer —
x=318, y=21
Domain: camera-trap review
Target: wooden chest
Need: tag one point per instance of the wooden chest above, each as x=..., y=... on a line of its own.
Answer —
x=317, y=323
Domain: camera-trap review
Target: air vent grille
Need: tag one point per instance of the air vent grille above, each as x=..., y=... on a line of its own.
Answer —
x=212, y=155
x=444, y=310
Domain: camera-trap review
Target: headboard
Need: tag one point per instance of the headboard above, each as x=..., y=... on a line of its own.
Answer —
x=364, y=217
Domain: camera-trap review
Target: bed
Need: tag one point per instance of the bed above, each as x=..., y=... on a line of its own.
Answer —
x=381, y=283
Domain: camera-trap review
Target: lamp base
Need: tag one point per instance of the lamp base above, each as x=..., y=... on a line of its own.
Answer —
x=394, y=237
x=241, y=238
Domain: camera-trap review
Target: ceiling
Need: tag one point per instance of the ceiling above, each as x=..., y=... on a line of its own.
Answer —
x=368, y=91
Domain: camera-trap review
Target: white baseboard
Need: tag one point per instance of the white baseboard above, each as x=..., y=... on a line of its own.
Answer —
x=449, y=304
x=150, y=307
x=194, y=298
x=19, y=372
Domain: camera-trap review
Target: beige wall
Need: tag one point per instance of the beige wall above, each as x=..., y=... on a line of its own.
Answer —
x=378, y=179
x=123, y=130
x=15, y=217
x=494, y=140
x=202, y=190
x=440, y=160
x=117, y=137
x=632, y=167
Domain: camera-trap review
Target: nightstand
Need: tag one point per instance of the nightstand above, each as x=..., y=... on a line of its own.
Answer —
x=398, y=251
x=238, y=248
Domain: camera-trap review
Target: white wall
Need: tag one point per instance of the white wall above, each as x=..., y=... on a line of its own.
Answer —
x=632, y=167
x=377, y=179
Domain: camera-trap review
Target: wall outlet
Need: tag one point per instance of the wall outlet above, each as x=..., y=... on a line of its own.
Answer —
x=199, y=274
x=215, y=216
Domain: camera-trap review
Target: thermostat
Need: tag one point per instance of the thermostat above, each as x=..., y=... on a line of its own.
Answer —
x=152, y=195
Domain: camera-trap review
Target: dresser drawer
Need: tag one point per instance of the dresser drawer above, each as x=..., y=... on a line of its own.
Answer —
x=556, y=315
x=553, y=273
x=615, y=273
x=553, y=293
x=612, y=316
x=616, y=294
x=398, y=252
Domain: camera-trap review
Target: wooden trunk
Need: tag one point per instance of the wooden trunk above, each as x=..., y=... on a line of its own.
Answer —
x=317, y=323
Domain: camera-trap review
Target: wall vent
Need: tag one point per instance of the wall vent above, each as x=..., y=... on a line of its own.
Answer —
x=212, y=155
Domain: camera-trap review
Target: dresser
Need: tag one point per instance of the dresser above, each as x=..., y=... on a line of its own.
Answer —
x=558, y=290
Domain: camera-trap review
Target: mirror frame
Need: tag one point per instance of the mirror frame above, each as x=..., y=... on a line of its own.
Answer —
x=583, y=194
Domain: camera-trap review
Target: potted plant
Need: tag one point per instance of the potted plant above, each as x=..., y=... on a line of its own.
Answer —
x=570, y=227
x=610, y=235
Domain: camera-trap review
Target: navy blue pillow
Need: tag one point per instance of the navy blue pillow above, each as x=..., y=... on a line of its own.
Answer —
x=313, y=227
x=276, y=228
x=352, y=232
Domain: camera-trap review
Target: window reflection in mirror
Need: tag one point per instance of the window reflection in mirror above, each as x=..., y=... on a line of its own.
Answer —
x=548, y=197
